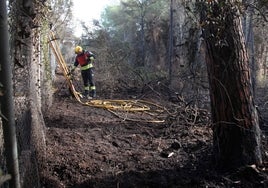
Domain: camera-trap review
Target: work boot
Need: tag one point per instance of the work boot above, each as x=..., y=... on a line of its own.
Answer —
x=86, y=95
x=93, y=93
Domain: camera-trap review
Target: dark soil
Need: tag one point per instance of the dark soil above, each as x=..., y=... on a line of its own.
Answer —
x=91, y=147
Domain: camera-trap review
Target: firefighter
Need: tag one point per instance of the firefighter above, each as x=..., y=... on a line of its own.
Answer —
x=85, y=59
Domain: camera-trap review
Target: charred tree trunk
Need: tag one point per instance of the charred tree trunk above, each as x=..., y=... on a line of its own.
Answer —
x=236, y=133
x=247, y=25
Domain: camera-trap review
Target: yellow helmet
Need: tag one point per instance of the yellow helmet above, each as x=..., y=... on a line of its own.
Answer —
x=78, y=49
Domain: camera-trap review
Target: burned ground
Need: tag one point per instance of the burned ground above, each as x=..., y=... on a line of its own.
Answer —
x=91, y=147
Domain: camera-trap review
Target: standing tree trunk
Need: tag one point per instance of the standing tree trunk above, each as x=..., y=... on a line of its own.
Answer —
x=7, y=103
x=247, y=25
x=170, y=43
x=236, y=133
x=142, y=23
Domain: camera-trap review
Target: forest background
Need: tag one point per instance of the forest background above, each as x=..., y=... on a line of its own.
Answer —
x=140, y=45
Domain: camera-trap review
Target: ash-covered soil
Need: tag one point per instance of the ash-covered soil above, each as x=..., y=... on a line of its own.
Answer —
x=91, y=147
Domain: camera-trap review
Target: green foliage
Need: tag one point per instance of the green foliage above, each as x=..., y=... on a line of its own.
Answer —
x=127, y=15
x=125, y=23
x=60, y=15
x=131, y=41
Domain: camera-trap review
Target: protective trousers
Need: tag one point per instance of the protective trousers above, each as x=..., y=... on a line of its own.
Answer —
x=89, y=86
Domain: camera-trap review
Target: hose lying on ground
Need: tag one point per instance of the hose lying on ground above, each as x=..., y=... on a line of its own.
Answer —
x=145, y=111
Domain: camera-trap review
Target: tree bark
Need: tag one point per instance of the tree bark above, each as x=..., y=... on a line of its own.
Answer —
x=170, y=42
x=247, y=25
x=6, y=102
x=236, y=132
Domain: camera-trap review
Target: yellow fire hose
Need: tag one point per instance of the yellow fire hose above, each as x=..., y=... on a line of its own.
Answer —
x=149, y=112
